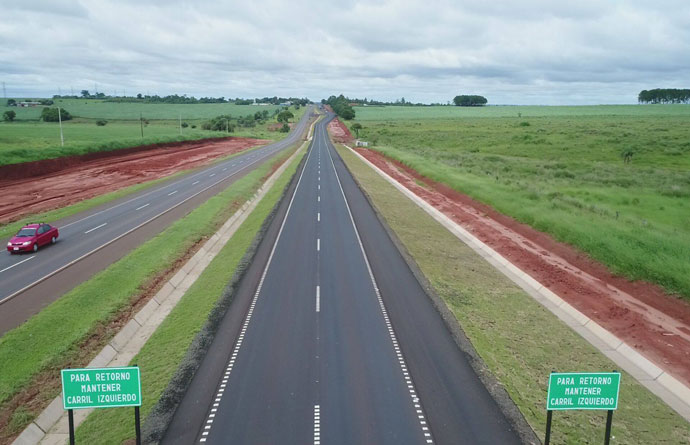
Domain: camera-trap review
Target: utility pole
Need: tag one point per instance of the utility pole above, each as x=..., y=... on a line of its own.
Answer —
x=62, y=139
x=141, y=121
x=180, y=123
x=227, y=125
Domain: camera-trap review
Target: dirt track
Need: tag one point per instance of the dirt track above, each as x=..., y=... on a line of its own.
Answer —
x=59, y=182
x=640, y=313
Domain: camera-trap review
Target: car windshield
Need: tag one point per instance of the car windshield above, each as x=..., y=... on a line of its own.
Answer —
x=26, y=232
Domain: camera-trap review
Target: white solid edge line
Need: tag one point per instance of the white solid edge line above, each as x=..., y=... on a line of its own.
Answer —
x=403, y=364
x=245, y=323
x=180, y=181
x=473, y=242
x=17, y=264
x=60, y=269
x=97, y=227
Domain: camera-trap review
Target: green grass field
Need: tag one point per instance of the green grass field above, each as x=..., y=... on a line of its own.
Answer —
x=49, y=340
x=29, y=139
x=519, y=340
x=562, y=172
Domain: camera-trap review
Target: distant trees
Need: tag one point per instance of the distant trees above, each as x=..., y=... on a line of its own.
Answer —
x=52, y=115
x=341, y=106
x=284, y=116
x=664, y=96
x=9, y=115
x=465, y=100
x=101, y=122
x=11, y=103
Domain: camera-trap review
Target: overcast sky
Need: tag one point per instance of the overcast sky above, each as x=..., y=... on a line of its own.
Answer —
x=512, y=52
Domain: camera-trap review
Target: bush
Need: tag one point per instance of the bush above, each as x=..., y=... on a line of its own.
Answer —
x=185, y=125
x=193, y=126
x=524, y=124
x=285, y=128
x=51, y=115
x=8, y=116
x=101, y=122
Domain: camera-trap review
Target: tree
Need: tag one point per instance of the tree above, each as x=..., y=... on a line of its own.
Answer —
x=85, y=93
x=341, y=106
x=11, y=103
x=284, y=116
x=356, y=127
x=285, y=128
x=627, y=155
x=51, y=115
x=8, y=116
x=465, y=100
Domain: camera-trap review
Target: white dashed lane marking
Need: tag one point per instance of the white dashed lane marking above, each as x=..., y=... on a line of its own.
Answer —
x=141, y=207
x=317, y=425
x=97, y=227
x=16, y=264
x=172, y=193
x=195, y=182
x=401, y=360
x=318, y=298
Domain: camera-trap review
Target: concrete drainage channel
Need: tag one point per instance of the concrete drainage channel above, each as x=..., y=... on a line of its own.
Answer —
x=50, y=427
x=669, y=389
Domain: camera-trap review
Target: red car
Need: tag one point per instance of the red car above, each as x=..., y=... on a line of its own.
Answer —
x=31, y=237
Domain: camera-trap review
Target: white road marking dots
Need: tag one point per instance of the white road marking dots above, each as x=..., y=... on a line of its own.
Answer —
x=318, y=244
x=16, y=264
x=401, y=360
x=318, y=217
x=318, y=298
x=141, y=207
x=172, y=193
x=319, y=187
x=195, y=182
x=245, y=325
x=97, y=227
x=318, y=198
x=317, y=425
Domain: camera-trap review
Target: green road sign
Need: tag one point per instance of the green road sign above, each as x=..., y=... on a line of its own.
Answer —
x=583, y=390
x=101, y=387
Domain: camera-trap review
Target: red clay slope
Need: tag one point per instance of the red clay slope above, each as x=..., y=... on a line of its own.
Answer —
x=639, y=313
x=34, y=187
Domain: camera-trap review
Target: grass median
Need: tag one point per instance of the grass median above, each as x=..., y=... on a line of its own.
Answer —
x=162, y=354
x=56, y=337
x=519, y=340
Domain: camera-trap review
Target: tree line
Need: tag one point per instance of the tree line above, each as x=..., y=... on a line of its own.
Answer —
x=468, y=100
x=664, y=96
x=184, y=99
x=341, y=106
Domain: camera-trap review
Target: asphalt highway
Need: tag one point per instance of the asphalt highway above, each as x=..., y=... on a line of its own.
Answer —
x=83, y=234
x=331, y=340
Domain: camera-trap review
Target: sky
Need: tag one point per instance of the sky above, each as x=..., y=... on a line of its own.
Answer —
x=551, y=52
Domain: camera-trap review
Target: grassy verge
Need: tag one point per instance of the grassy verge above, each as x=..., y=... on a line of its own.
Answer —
x=51, y=339
x=519, y=340
x=7, y=230
x=566, y=175
x=162, y=354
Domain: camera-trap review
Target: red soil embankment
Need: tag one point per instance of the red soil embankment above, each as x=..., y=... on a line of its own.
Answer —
x=637, y=312
x=34, y=187
x=339, y=132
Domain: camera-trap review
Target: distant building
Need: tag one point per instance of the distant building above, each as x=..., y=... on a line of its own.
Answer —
x=28, y=104
x=361, y=144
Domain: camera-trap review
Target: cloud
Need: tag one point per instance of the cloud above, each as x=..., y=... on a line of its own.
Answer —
x=534, y=51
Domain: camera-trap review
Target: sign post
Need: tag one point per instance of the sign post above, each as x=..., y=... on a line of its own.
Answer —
x=101, y=388
x=582, y=390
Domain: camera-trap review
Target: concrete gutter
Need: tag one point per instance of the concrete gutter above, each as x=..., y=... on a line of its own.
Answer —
x=51, y=427
x=669, y=389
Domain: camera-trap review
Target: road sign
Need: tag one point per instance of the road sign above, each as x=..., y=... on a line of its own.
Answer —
x=101, y=387
x=587, y=390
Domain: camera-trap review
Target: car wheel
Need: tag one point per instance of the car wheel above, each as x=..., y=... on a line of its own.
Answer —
x=52, y=241
x=36, y=247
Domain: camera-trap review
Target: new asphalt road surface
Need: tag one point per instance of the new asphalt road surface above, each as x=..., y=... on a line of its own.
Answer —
x=330, y=339
x=98, y=229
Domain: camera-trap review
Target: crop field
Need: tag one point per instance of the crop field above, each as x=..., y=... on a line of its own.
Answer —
x=613, y=181
x=29, y=139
